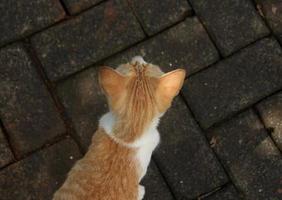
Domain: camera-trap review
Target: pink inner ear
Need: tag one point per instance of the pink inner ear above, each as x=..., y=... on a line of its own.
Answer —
x=111, y=81
x=171, y=83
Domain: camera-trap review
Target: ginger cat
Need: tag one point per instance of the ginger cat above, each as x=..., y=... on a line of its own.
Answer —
x=138, y=94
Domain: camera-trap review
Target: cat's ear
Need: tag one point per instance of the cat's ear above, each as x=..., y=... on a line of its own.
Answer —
x=170, y=84
x=111, y=82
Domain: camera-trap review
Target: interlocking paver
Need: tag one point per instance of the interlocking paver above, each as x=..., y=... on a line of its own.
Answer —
x=259, y=175
x=184, y=155
x=40, y=175
x=157, y=15
x=271, y=112
x=76, y=6
x=21, y=18
x=235, y=83
x=272, y=11
x=233, y=24
x=227, y=193
x=245, y=133
x=155, y=186
x=185, y=45
x=26, y=108
x=254, y=163
x=6, y=155
x=87, y=38
x=84, y=103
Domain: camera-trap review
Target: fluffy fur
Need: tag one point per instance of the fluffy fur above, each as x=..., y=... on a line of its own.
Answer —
x=138, y=93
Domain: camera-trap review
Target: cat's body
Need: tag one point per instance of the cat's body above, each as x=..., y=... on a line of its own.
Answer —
x=122, y=146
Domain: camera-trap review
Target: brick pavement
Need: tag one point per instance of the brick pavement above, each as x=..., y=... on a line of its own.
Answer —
x=222, y=138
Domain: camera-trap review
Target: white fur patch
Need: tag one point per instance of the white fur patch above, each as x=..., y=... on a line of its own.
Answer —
x=146, y=144
x=138, y=59
x=107, y=122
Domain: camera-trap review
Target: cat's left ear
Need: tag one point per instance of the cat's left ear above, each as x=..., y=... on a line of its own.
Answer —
x=112, y=82
x=170, y=84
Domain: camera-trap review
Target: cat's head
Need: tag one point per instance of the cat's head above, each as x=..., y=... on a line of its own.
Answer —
x=140, y=87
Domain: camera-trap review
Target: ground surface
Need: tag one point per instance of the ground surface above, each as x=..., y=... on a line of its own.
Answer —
x=222, y=138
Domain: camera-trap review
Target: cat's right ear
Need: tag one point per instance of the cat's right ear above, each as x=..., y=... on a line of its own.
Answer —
x=111, y=82
x=169, y=86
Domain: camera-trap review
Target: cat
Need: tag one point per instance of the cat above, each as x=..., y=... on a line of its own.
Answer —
x=138, y=94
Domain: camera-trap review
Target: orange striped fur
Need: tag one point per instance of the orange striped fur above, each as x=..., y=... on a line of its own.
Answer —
x=137, y=93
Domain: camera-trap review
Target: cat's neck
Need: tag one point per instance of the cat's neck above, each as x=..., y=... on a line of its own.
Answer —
x=109, y=122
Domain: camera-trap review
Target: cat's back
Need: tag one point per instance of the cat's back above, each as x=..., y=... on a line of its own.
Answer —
x=107, y=172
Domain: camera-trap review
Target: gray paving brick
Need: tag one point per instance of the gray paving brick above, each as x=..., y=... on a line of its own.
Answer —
x=235, y=83
x=26, y=108
x=39, y=175
x=184, y=155
x=271, y=112
x=257, y=167
x=156, y=15
x=21, y=18
x=272, y=11
x=259, y=175
x=155, y=186
x=84, y=103
x=232, y=24
x=76, y=6
x=227, y=193
x=6, y=155
x=186, y=45
x=245, y=133
x=87, y=38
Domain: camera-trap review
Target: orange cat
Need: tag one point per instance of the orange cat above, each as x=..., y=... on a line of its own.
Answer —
x=138, y=94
